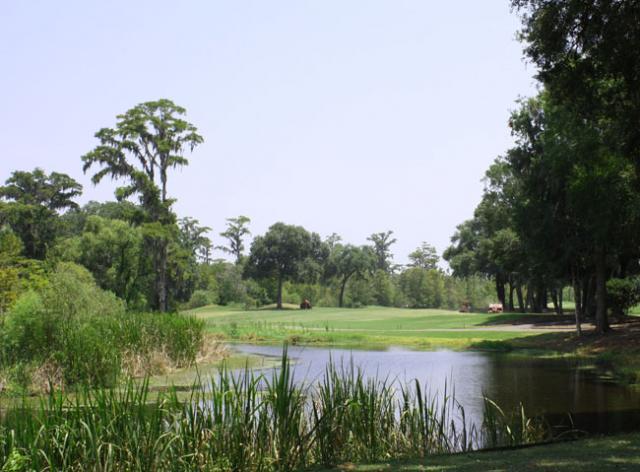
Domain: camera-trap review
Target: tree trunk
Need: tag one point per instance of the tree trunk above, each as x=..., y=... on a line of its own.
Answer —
x=590, y=303
x=520, y=299
x=602, y=324
x=511, y=289
x=342, y=287
x=554, y=300
x=529, y=300
x=560, y=297
x=500, y=290
x=543, y=298
x=578, y=301
x=162, y=278
x=279, y=300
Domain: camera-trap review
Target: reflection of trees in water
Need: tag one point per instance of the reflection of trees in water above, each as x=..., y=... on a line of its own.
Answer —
x=557, y=389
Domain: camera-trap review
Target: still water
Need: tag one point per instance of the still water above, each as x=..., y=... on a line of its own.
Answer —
x=568, y=393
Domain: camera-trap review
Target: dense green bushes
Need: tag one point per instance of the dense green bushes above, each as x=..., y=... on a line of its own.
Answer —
x=202, y=298
x=73, y=332
x=622, y=294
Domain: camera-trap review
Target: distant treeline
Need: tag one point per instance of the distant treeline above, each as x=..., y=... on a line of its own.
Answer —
x=286, y=264
x=138, y=248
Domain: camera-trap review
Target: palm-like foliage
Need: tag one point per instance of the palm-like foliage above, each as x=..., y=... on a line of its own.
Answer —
x=147, y=141
x=32, y=202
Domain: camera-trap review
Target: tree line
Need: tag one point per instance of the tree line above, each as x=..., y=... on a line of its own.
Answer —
x=561, y=207
x=139, y=249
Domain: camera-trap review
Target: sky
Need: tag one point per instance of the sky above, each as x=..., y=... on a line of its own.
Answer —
x=351, y=117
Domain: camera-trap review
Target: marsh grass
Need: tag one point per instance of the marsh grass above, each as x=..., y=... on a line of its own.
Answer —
x=246, y=420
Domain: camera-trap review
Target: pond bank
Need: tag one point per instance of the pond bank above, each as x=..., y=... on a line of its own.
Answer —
x=530, y=335
x=602, y=454
x=619, y=349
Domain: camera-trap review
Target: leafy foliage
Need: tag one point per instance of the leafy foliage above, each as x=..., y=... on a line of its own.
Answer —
x=146, y=143
x=235, y=233
x=382, y=243
x=622, y=294
x=283, y=253
x=33, y=200
x=72, y=332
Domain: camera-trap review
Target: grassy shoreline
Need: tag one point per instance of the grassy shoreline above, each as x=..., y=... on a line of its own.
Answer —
x=535, y=335
x=429, y=329
x=597, y=454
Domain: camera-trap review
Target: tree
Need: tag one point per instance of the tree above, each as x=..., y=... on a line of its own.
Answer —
x=73, y=221
x=588, y=60
x=192, y=238
x=347, y=261
x=10, y=249
x=422, y=288
x=17, y=274
x=623, y=294
x=425, y=257
x=578, y=207
x=589, y=63
x=282, y=254
x=147, y=141
x=235, y=233
x=33, y=202
x=383, y=288
x=112, y=251
x=489, y=244
x=381, y=244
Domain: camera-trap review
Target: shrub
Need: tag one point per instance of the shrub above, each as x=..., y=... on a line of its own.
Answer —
x=622, y=294
x=202, y=298
x=78, y=333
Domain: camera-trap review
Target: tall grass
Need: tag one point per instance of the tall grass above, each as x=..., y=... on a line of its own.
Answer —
x=245, y=421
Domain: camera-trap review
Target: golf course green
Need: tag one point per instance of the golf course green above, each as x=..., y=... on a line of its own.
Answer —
x=371, y=326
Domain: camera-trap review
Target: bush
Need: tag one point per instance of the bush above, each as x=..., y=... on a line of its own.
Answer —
x=79, y=334
x=202, y=298
x=231, y=287
x=622, y=294
x=358, y=293
x=383, y=290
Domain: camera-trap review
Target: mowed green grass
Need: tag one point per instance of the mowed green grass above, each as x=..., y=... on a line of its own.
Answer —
x=620, y=453
x=371, y=325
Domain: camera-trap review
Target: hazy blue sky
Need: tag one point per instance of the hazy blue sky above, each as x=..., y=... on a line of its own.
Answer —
x=342, y=116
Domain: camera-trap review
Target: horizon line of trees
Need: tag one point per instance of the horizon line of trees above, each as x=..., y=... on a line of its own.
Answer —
x=114, y=241
x=139, y=249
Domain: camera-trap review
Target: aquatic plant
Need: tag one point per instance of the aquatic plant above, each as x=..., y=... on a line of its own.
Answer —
x=246, y=420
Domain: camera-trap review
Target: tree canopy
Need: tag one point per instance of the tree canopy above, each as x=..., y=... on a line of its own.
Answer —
x=281, y=253
x=147, y=141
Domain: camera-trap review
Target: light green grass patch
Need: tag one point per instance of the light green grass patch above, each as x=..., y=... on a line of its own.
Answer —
x=423, y=328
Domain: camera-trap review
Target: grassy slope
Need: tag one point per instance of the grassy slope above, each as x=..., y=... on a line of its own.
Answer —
x=620, y=453
x=371, y=325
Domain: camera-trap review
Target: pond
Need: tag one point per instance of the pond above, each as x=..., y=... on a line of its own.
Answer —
x=569, y=393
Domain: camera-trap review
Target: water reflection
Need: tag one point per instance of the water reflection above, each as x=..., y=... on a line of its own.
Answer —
x=554, y=388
